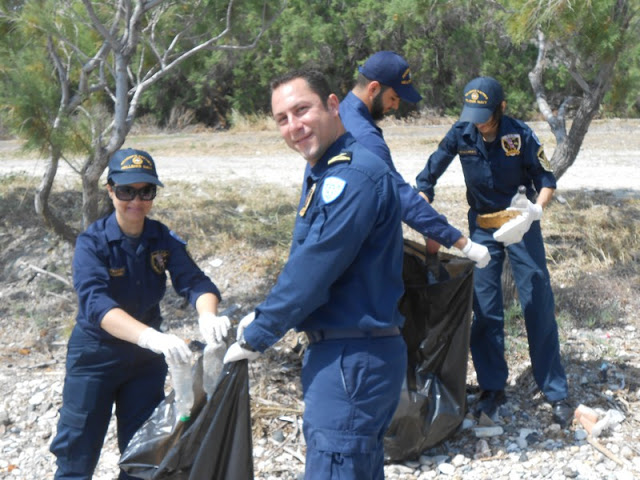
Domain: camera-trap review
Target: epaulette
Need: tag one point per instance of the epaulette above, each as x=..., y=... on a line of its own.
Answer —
x=340, y=158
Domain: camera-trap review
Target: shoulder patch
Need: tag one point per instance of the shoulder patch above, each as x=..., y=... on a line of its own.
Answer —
x=544, y=161
x=332, y=187
x=177, y=237
x=340, y=158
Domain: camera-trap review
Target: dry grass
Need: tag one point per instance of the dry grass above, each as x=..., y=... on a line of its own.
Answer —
x=592, y=240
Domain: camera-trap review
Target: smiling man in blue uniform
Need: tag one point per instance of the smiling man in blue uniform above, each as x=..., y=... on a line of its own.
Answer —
x=341, y=286
x=120, y=270
x=383, y=80
x=498, y=154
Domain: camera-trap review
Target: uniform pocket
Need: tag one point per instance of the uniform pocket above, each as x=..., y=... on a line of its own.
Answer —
x=354, y=368
x=69, y=443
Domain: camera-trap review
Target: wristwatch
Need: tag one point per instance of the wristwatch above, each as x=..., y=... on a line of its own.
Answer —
x=243, y=344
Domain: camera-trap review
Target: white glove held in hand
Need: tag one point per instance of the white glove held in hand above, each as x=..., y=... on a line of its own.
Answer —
x=236, y=352
x=533, y=209
x=246, y=320
x=173, y=348
x=513, y=231
x=478, y=253
x=213, y=328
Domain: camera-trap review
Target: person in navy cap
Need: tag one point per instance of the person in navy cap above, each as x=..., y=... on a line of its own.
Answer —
x=341, y=286
x=117, y=353
x=383, y=80
x=498, y=155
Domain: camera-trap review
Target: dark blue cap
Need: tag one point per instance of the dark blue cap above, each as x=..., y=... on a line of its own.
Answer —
x=392, y=70
x=132, y=166
x=481, y=97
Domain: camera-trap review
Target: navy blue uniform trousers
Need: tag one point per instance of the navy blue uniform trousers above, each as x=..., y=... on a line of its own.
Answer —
x=99, y=374
x=351, y=390
x=531, y=276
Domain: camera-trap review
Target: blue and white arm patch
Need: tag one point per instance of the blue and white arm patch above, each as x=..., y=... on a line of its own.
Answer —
x=177, y=237
x=332, y=187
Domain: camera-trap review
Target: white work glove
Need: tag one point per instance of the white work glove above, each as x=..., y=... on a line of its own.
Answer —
x=533, y=209
x=246, y=320
x=173, y=348
x=513, y=231
x=213, y=328
x=235, y=352
x=478, y=253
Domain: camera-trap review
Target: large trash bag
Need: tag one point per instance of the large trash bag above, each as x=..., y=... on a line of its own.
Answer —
x=215, y=444
x=437, y=307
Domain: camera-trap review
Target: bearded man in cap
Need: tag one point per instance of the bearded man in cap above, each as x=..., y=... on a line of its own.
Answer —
x=383, y=80
x=500, y=156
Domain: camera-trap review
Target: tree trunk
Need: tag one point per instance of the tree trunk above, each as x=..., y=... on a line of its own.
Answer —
x=41, y=201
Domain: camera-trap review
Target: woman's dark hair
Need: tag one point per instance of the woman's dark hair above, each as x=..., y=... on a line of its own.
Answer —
x=496, y=116
x=315, y=79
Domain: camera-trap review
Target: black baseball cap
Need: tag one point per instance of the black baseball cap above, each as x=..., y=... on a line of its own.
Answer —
x=132, y=166
x=392, y=70
x=481, y=97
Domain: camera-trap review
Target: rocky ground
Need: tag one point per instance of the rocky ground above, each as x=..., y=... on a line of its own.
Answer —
x=603, y=364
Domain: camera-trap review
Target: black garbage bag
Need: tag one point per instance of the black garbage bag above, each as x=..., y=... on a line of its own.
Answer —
x=437, y=307
x=215, y=444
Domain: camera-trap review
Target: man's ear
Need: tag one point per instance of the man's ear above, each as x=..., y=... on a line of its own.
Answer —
x=373, y=88
x=333, y=103
x=503, y=106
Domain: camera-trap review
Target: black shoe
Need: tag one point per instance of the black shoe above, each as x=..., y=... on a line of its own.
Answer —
x=562, y=412
x=489, y=402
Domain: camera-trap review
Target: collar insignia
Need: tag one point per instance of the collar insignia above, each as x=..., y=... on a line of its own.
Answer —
x=340, y=158
x=307, y=201
x=511, y=144
x=159, y=261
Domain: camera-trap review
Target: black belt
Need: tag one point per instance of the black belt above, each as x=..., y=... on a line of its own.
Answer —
x=335, y=334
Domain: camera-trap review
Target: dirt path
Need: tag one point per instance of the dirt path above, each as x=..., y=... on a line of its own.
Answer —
x=609, y=158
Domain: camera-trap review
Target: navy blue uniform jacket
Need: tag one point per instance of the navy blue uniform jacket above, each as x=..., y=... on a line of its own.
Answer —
x=108, y=273
x=492, y=173
x=345, y=266
x=416, y=213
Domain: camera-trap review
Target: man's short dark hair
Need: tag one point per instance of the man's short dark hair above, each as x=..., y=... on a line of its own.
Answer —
x=315, y=79
x=363, y=81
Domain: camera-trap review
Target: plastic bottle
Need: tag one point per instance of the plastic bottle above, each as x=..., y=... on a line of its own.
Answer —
x=182, y=381
x=212, y=366
x=520, y=201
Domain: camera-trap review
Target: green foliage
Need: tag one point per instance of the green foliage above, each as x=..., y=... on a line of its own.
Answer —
x=30, y=94
x=582, y=36
x=447, y=43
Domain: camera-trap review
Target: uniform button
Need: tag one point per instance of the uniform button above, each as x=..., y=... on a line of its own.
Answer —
x=138, y=282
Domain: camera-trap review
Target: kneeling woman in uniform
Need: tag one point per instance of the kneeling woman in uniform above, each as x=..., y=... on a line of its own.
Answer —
x=116, y=353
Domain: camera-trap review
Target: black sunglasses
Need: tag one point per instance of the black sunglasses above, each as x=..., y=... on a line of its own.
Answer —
x=127, y=193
